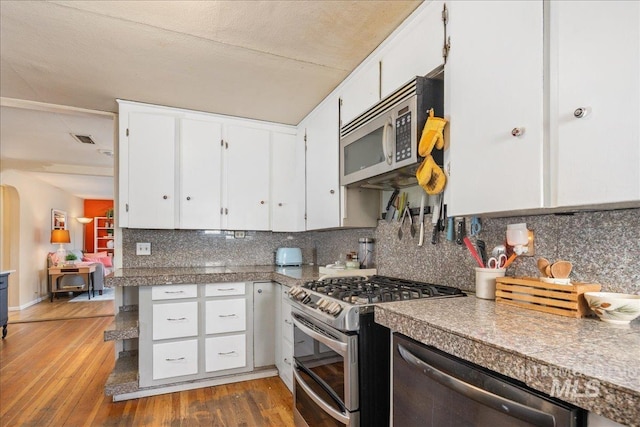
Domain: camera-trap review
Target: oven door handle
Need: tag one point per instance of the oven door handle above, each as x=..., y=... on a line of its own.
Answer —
x=343, y=418
x=499, y=403
x=337, y=346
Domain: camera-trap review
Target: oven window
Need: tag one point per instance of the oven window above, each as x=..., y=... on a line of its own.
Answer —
x=364, y=153
x=325, y=363
x=310, y=411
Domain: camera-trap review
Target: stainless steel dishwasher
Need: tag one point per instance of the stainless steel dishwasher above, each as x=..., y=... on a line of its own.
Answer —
x=432, y=388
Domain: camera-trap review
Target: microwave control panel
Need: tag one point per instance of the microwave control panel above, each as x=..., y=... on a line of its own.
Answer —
x=403, y=137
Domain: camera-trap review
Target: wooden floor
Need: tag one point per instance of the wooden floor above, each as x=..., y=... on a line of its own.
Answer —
x=52, y=373
x=61, y=308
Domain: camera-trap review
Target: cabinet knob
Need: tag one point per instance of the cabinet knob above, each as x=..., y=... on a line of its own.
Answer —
x=517, y=132
x=259, y=291
x=581, y=112
x=279, y=204
x=332, y=191
x=165, y=197
x=188, y=197
x=262, y=202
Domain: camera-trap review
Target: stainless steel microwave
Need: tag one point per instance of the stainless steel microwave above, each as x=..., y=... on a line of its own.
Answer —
x=379, y=148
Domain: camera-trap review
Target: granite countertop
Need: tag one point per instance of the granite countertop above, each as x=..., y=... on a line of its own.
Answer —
x=597, y=363
x=289, y=276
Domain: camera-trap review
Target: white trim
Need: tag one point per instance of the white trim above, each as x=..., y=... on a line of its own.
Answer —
x=270, y=372
x=52, y=108
x=29, y=304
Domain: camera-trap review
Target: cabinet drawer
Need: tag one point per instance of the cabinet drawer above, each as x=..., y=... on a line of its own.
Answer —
x=287, y=324
x=175, y=320
x=175, y=359
x=224, y=289
x=286, y=373
x=227, y=315
x=225, y=352
x=163, y=292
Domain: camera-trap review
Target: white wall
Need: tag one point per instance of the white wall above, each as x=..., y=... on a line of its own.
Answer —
x=36, y=199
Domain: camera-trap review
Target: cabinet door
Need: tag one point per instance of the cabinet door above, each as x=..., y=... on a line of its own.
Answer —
x=175, y=320
x=595, y=57
x=264, y=323
x=287, y=182
x=226, y=315
x=415, y=51
x=247, y=179
x=200, y=174
x=229, y=352
x=360, y=92
x=175, y=359
x=151, y=171
x=323, y=176
x=494, y=84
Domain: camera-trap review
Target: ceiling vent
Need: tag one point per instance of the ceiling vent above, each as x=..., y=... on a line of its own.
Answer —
x=84, y=139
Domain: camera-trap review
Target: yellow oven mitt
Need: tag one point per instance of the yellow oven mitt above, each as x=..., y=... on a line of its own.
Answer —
x=430, y=176
x=431, y=135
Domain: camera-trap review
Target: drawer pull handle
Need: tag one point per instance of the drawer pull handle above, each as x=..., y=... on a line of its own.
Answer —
x=227, y=315
x=286, y=360
x=174, y=292
x=226, y=289
x=176, y=319
x=228, y=353
x=300, y=342
x=177, y=359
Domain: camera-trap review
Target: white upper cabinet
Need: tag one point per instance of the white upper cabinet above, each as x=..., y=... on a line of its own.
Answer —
x=323, y=186
x=200, y=172
x=493, y=99
x=247, y=154
x=543, y=117
x=191, y=170
x=359, y=92
x=287, y=182
x=415, y=50
x=150, y=171
x=595, y=65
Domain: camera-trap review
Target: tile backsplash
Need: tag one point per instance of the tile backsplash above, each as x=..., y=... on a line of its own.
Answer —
x=603, y=246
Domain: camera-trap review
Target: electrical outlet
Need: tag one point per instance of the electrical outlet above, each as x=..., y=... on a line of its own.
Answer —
x=143, y=248
x=238, y=234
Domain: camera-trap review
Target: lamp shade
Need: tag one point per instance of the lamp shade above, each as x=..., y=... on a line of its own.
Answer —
x=84, y=220
x=60, y=236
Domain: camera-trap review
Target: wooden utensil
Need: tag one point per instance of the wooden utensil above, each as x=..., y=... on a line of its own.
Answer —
x=561, y=269
x=542, y=266
x=547, y=271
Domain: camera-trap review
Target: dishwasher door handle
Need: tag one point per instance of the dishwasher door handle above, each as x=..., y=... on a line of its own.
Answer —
x=494, y=401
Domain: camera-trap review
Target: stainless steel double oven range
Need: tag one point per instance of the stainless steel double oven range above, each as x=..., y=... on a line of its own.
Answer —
x=342, y=357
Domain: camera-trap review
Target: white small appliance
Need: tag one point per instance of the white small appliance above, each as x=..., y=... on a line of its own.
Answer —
x=288, y=257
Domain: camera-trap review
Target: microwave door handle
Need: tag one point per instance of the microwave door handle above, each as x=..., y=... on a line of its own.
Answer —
x=499, y=403
x=386, y=150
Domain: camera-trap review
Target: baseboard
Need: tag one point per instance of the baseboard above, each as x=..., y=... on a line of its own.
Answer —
x=208, y=382
x=29, y=304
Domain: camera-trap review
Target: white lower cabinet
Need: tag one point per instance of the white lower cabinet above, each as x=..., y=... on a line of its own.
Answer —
x=284, y=332
x=175, y=359
x=226, y=315
x=193, y=332
x=226, y=352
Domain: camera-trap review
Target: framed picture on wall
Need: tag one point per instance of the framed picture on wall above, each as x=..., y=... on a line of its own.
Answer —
x=58, y=219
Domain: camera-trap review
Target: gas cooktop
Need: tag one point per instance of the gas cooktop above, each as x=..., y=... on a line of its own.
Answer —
x=338, y=301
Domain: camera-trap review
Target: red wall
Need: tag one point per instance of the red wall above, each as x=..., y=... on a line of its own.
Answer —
x=93, y=208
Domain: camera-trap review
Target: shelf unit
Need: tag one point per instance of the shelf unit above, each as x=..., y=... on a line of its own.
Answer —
x=103, y=234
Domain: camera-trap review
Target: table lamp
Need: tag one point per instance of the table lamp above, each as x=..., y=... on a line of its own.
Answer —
x=60, y=237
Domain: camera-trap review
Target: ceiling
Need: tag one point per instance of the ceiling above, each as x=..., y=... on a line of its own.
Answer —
x=64, y=63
